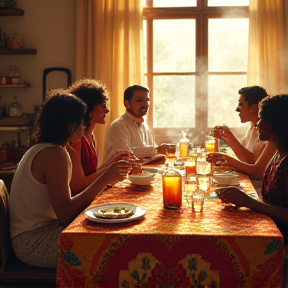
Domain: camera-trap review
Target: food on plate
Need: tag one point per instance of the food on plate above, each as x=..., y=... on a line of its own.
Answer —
x=116, y=212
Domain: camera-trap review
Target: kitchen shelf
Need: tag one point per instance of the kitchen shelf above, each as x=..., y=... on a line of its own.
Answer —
x=11, y=12
x=17, y=51
x=24, y=85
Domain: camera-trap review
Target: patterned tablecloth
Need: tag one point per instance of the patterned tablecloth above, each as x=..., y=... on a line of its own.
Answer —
x=166, y=249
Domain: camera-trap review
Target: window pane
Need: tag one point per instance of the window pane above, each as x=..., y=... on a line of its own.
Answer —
x=174, y=101
x=228, y=44
x=174, y=45
x=174, y=3
x=228, y=3
x=223, y=99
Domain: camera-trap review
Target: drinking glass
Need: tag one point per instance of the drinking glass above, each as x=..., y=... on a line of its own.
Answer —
x=203, y=167
x=198, y=198
x=190, y=165
x=210, y=144
x=204, y=183
x=190, y=186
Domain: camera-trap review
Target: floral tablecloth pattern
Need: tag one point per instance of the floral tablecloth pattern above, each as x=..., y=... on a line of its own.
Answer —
x=216, y=248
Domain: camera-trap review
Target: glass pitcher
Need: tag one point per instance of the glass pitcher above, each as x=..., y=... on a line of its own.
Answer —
x=172, y=189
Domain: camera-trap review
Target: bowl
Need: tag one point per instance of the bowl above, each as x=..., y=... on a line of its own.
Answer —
x=228, y=179
x=142, y=179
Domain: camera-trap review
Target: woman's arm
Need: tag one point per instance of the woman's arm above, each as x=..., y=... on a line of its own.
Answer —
x=55, y=174
x=242, y=153
x=239, y=198
x=78, y=180
x=253, y=170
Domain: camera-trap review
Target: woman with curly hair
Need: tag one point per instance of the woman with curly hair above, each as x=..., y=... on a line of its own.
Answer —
x=41, y=202
x=95, y=95
x=273, y=127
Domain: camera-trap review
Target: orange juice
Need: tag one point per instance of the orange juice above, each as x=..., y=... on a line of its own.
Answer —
x=190, y=166
x=172, y=191
x=210, y=146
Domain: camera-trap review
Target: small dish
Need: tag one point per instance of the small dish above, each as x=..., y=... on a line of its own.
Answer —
x=142, y=179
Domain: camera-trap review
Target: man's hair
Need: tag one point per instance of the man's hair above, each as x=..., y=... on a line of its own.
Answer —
x=128, y=93
x=253, y=94
x=274, y=111
x=92, y=92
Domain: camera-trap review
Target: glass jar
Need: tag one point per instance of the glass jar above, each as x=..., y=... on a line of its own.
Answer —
x=172, y=189
x=15, y=109
x=15, y=75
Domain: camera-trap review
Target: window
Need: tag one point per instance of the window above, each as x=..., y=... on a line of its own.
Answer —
x=195, y=63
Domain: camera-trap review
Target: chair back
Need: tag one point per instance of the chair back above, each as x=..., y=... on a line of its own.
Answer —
x=5, y=242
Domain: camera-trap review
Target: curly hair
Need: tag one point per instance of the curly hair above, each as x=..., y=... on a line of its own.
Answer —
x=60, y=112
x=274, y=111
x=253, y=94
x=91, y=92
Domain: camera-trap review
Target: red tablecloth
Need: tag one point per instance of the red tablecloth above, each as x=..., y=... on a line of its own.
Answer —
x=167, y=248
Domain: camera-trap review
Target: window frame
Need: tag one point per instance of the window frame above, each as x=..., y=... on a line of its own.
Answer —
x=202, y=13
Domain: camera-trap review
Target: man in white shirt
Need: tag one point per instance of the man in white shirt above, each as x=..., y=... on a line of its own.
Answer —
x=250, y=147
x=130, y=131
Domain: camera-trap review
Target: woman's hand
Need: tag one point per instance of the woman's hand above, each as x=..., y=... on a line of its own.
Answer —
x=216, y=157
x=233, y=195
x=117, y=171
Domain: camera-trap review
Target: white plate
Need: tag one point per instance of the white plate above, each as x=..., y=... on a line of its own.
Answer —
x=89, y=214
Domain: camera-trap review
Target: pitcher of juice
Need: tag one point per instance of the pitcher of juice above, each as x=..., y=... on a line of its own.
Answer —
x=172, y=189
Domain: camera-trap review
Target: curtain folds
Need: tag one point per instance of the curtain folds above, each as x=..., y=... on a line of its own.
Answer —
x=267, y=58
x=108, y=48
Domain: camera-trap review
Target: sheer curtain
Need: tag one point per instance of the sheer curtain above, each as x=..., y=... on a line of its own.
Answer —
x=267, y=56
x=108, y=48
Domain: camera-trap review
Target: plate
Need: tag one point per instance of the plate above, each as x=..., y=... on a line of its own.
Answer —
x=90, y=214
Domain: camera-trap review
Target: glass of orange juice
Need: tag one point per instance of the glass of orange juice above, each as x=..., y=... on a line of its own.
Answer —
x=210, y=144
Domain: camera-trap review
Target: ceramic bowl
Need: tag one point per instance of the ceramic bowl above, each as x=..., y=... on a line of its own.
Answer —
x=141, y=179
x=229, y=179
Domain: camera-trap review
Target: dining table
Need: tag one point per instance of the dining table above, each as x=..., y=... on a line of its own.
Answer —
x=171, y=248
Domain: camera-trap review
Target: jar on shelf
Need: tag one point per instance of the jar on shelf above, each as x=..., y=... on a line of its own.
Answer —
x=15, y=41
x=15, y=75
x=15, y=109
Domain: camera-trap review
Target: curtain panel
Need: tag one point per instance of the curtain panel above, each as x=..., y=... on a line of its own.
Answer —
x=108, y=48
x=267, y=53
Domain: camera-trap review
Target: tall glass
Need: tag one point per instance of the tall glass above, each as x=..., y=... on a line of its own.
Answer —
x=190, y=165
x=210, y=144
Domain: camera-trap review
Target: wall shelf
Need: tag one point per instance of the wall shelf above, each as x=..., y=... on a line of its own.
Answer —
x=24, y=85
x=5, y=51
x=11, y=12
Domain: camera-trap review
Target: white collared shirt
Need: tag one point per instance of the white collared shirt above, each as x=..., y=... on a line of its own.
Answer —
x=129, y=133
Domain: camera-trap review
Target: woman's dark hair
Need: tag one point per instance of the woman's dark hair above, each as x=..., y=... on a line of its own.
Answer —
x=91, y=92
x=274, y=110
x=58, y=118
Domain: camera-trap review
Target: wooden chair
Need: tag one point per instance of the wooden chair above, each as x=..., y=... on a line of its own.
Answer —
x=13, y=272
